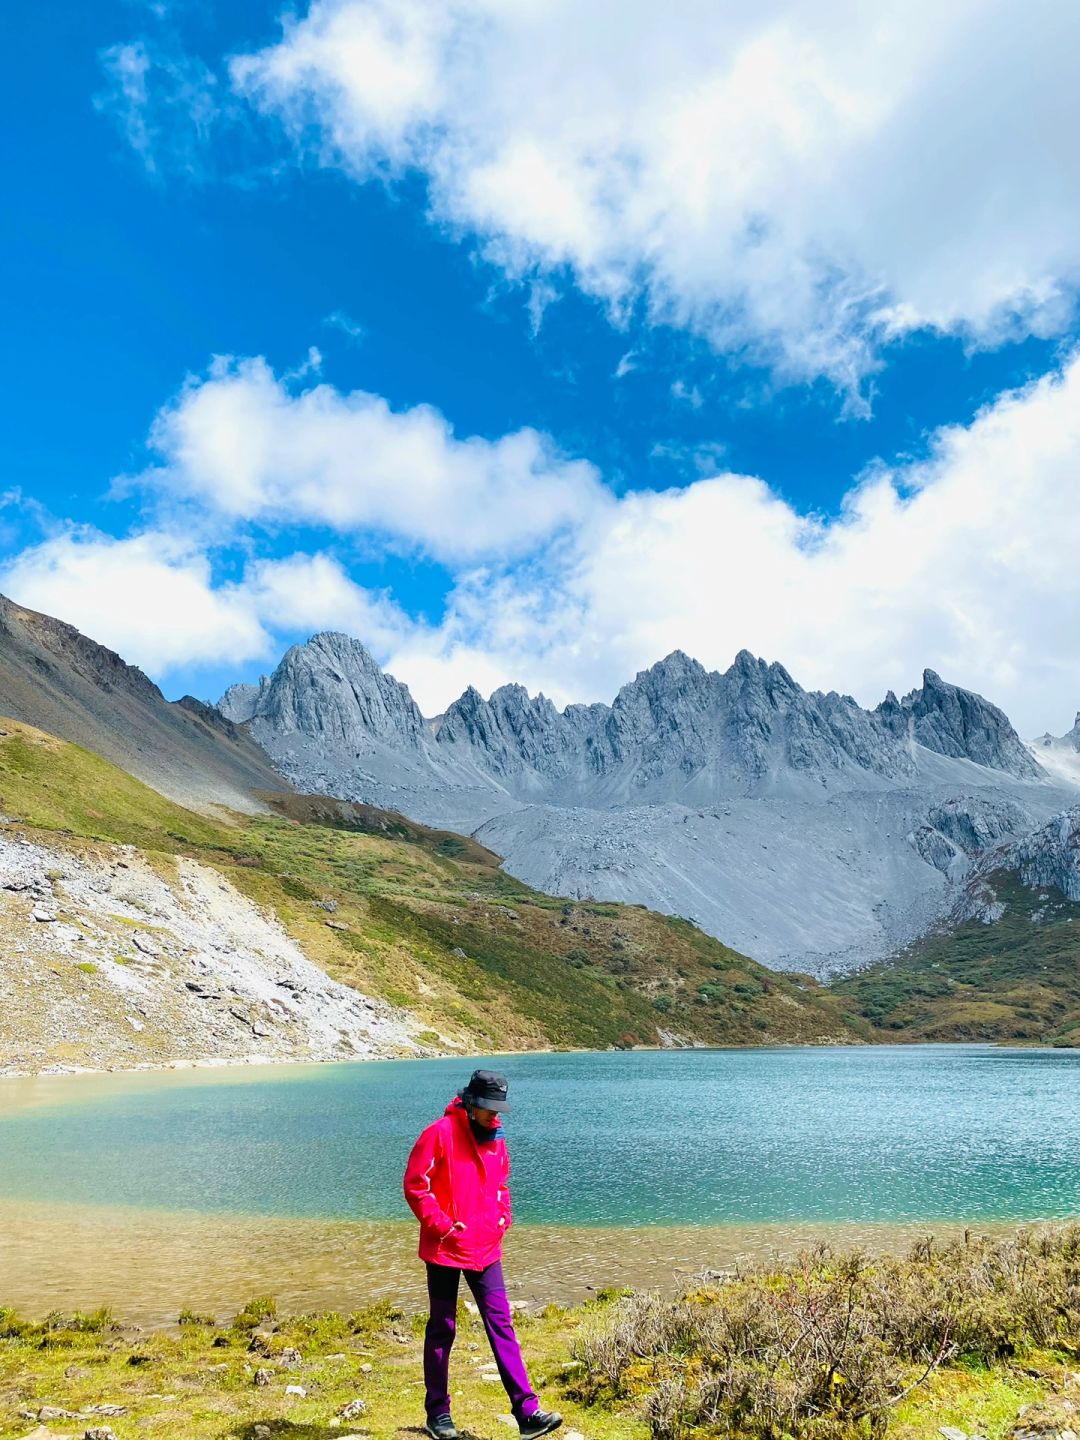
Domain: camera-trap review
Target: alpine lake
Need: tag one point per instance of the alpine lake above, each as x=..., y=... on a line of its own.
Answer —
x=150, y=1190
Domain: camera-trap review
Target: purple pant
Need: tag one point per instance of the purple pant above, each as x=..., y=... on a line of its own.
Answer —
x=489, y=1292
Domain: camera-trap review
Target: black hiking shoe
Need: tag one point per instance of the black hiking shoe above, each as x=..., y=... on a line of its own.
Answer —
x=441, y=1427
x=541, y=1422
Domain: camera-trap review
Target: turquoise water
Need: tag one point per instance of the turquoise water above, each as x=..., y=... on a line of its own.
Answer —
x=681, y=1137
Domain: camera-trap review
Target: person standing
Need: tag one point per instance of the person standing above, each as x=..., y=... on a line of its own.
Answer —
x=457, y=1185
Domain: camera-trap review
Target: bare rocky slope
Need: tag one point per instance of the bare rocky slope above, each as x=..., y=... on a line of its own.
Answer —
x=797, y=826
x=1004, y=964
x=60, y=681
x=112, y=957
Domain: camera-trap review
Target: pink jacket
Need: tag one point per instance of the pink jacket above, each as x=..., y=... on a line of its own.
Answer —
x=450, y=1177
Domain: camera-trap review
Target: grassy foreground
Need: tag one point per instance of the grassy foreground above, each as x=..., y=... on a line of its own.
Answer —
x=428, y=921
x=833, y=1346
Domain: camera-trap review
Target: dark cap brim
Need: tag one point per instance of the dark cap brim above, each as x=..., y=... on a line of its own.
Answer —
x=480, y=1102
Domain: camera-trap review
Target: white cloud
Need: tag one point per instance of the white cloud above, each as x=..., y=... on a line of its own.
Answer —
x=152, y=598
x=350, y=328
x=243, y=443
x=966, y=563
x=164, y=101
x=305, y=593
x=799, y=183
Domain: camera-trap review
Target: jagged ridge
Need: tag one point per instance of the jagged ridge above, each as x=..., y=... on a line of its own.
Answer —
x=808, y=831
x=711, y=733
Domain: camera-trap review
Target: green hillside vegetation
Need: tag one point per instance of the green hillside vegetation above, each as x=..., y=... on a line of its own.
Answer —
x=56, y=786
x=1018, y=979
x=428, y=921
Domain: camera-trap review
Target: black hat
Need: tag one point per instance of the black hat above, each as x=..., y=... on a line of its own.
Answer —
x=486, y=1090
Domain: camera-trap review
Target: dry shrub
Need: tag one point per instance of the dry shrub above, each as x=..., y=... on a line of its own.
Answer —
x=826, y=1347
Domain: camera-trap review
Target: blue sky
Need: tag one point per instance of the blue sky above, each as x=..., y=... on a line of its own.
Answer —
x=692, y=388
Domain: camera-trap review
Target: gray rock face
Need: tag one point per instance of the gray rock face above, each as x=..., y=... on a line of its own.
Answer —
x=677, y=729
x=975, y=824
x=240, y=702
x=795, y=825
x=1048, y=858
x=60, y=681
x=1051, y=856
x=954, y=722
x=331, y=687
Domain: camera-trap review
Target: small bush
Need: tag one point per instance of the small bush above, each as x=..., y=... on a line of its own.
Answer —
x=12, y=1325
x=827, y=1347
x=256, y=1312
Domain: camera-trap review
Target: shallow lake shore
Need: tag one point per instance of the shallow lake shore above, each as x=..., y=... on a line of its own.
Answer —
x=200, y=1187
x=357, y=1372
x=144, y=1264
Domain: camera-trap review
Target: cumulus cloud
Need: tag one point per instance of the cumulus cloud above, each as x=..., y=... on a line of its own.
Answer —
x=796, y=184
x=153, y=598
x=247, y=444
x=966, y=563
x=150, y=597
x=303, y=593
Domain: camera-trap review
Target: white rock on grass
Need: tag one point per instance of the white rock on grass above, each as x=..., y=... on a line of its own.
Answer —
x=216, y=978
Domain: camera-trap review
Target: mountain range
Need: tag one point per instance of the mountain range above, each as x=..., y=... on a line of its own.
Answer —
x=797, y=826
x=919, y=854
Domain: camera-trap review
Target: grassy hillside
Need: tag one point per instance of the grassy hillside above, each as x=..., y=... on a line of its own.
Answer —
x=1018, y=979
x=428, y=921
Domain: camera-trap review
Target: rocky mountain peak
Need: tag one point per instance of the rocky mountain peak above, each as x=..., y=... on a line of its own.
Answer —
x=330, y=686
x=58, y=680
x=960, y=724
x=511, y=730
x=241, y=701
x=676, y=730
x=75, y=653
